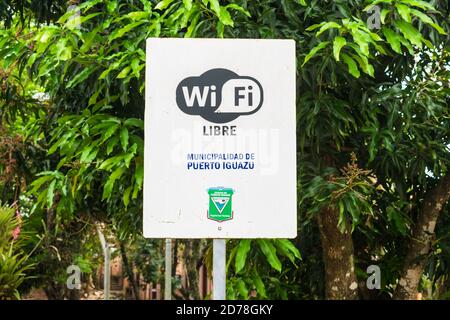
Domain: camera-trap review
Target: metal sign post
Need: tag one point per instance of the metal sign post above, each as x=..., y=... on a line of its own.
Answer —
x=107, y=272
x=168, y=271
x=219, y=269
x=107, y=260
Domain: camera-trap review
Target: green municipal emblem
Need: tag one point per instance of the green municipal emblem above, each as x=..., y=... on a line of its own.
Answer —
x=220, y=204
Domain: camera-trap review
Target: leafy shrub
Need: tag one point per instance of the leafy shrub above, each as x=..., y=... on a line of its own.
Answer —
x=13, y=261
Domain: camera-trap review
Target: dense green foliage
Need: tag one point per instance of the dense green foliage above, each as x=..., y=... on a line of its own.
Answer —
x=372, y=112
x=13, y=261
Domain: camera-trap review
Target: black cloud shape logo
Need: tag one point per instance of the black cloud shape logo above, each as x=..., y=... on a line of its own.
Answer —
x=219, y=95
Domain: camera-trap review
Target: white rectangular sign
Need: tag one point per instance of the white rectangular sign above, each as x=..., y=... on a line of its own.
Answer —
x=220, y=139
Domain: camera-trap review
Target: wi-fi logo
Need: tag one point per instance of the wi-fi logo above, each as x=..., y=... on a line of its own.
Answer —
x=219, y=95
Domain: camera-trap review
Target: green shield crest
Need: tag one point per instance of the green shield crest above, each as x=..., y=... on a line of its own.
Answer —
x=220, y=204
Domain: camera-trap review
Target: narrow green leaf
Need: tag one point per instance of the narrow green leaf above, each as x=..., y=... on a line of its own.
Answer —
x=270, y=252
x=419, y=4
x=383, y=15
x=138, y=123
x=290, y=247
x=315, y=50
x=315, y=26
x=124, y=138
x=426, y=19
x=393, y=39
x=163, y=4
x=111, y=144
x=225, y=17
x=352, y=67
x=327, y=26
x=404, y=11
x=241, y=255
x=215, y=6
x=410, y=33
x=50, y=193
x=259, y=284
x=238, y=8
x=117, y=33
x=36, y=184
x=85, y=153
x=363, y=40
x=80, y=77
x=242, y=289
x=109, y=185
x=126, y=196
x=124, y=72
x=338, y=43
x=139, y=175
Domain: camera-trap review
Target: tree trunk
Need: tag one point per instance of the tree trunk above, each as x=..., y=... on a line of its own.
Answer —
x=191, y=257
x=422, y=237
x=337, y=248
x=128, y=270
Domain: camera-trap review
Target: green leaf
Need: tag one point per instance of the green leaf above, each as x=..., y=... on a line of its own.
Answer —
x=419, y=4
x=63, y=51
x=36, y=184
x=139, y=175
x=374, y=3
x=404, y=11
x=302, y=2
x=109, y=185
x=215, y=6
x=225, y=17
x=136, y=67
x=108, y=164
x=241, y=255
x=315, y=50
x=383, y=15
x=315, y=26
x=117, y=33
x=137, y=15
x=220, y=29
x=242, y=288
x=426, y=19
x=393, y=39
x=270, y=252
x=92, y=155
x=338, y=43
x=352, y=67
x=289, y=246
x=138, y=123
x=45, y=35
x=407, y=44
x=110, y=131
x=187, y=4
x=238, y=8
x=259, y=284
x=80, y=77
x=397, y=219
x=192, y=26
x=362, y=39
x=126, y=196
x=124, y=72
x=410, y=33
x=124, y=138
x=86, y=151
x=163, y=4
x=327, y=26
x=364, y=64
x=111, y=144
x=50, y=193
